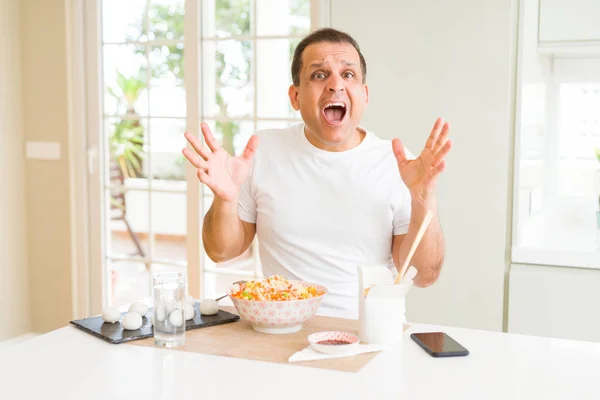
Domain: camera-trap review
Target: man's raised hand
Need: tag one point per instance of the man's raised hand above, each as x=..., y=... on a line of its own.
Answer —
x=420, y=174
x=218, y=170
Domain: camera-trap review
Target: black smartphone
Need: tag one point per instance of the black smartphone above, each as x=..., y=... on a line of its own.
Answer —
x=439, y=344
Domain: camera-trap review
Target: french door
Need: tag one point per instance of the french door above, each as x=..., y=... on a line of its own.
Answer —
x=155, y=69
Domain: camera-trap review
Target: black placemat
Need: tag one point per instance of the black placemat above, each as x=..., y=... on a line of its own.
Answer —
x=114, y=333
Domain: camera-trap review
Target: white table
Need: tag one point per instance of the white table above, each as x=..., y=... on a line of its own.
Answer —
x=71, y=364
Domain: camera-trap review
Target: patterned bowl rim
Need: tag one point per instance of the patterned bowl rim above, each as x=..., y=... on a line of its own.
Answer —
x=313, y=338
x=320, y=297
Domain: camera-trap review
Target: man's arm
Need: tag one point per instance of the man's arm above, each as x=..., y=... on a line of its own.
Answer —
x=224, y=234
x=419, y=176
x=429, y=255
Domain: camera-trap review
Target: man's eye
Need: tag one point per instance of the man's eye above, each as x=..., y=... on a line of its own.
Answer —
x=319, y=75
x=348, y=75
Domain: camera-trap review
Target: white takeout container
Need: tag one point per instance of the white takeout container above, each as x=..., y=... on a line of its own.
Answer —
x=382, y=312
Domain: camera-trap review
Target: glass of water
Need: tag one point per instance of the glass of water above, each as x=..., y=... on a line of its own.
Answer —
x=169, y=299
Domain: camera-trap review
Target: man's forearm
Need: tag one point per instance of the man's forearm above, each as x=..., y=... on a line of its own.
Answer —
x=223, y=232
x=429, y=255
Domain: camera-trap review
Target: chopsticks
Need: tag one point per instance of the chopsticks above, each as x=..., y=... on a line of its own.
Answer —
x=413, y=248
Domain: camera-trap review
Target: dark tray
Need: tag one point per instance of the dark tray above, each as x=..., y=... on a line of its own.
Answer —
x=114, y=333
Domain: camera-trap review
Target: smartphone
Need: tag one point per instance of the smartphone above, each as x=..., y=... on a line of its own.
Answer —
x=439, y=344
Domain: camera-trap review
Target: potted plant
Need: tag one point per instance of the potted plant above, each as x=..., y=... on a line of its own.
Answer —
x=126, y=147
x=126, y=141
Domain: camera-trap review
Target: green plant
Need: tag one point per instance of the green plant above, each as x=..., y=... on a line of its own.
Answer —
x=167, y=23
x=127, y=147
x=128, y=90
x=126, y=140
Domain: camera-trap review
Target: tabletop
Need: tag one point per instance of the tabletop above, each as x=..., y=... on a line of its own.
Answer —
x=71, y=364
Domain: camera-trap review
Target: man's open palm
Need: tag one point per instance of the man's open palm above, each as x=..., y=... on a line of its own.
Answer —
x=420, y=174
x=218, y=170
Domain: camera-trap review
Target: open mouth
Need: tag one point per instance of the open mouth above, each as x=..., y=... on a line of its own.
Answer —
x=334, y=112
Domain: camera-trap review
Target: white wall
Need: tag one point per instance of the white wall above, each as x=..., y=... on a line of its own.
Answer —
x=452, y=59
x=14, y=274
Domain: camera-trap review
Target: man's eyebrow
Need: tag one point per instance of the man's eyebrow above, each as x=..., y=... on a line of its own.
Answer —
x=321, y=64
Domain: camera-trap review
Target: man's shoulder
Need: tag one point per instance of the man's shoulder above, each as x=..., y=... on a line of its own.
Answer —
x=377, y=144
x=277, y=137
x=377, y=140
x=275, y=133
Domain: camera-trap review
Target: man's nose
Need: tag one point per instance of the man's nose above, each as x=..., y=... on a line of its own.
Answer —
x=335, y=84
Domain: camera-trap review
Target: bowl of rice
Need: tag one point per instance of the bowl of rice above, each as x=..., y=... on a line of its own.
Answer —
x=276, y=305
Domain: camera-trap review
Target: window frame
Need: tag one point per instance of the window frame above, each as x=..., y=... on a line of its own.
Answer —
x=320, y=16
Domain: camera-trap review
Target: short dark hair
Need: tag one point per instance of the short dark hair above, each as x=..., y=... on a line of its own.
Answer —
x=319, y=36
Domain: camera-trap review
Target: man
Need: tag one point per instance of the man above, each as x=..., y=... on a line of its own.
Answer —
x=326, y=195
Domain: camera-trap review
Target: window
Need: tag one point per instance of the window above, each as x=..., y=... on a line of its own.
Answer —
x=164, y=66
x=557, y=174
x=144, y=118
x=247, y=48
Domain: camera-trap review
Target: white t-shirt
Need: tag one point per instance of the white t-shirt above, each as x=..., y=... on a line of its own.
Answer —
x=320, y=214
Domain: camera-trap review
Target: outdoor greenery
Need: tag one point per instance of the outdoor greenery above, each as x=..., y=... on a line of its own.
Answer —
x=166, y=22
x=126, y=139
x=126, y=147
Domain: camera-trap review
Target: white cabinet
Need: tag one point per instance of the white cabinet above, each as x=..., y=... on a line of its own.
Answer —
x=569, y=20
x=557, y=302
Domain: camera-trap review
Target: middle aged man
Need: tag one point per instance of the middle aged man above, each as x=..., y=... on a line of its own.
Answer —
x=325, y=195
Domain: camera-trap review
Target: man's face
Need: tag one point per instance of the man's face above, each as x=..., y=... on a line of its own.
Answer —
x=331, y=96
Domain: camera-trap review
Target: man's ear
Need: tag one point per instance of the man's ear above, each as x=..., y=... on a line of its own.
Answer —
x=366, y=95
x=293, y=93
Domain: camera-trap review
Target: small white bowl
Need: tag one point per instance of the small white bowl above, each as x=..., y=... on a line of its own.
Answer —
x=333, y=342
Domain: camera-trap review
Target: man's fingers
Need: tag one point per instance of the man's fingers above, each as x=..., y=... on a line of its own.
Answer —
x=435, y=132
x=250, y=148
x=209, y=138
x=398, y=149
x=197, y=145
x=442, y=139
x=203, y=176
x=440, y=155
x=194, y=159
x=438, y=169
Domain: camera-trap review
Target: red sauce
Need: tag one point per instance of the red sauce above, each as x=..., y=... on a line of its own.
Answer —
x=333, y=341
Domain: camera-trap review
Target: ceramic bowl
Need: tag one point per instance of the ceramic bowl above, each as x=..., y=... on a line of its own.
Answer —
x=279, y=317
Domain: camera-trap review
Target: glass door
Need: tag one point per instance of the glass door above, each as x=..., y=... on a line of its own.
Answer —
x=155, y=69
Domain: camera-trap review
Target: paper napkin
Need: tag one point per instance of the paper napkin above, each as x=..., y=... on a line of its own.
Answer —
x=308, y=354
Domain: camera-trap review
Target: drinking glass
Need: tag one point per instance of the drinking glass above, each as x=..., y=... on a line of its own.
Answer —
x=169, y=299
